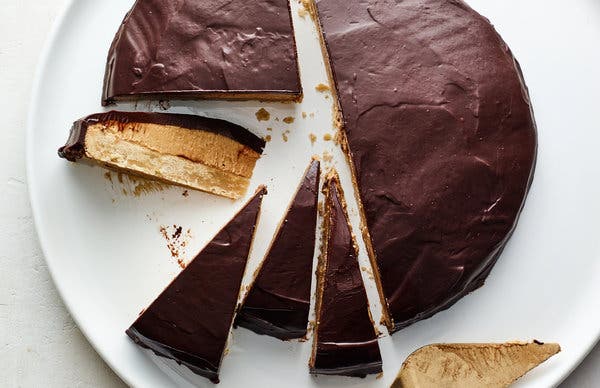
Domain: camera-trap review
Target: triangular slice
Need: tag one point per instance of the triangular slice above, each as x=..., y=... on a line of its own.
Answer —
x=345, y=342
x=472, y=365
x=190, y=320
x=182, y=49
x=197, y=152
x=279, y=301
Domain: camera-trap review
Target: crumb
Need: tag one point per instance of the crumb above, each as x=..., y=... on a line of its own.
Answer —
x=327, y=157
x=289, y=120
x=120, y=177
x=322, y=88
x=263, y=115
x=268, y=138
x=303, y=115
x=327, y=96
x=313, y=138
x=276, y=118
x=284, y=135
x=176, y=242
x=302, y=12
x=185, y=193
x=379, y=375
x=337, y=139
x=269, y=129
x=327, y=137
x=312, y=115
x=124, y=191
x=108, y=176
x=144, y=186
x=320, y=208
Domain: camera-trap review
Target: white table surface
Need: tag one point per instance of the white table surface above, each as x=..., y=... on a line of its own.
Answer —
x=40, y=345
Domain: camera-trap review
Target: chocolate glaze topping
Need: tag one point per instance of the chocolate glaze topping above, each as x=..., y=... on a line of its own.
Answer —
x=190, y=320
x=279, y=301
x=346, y=342
x=191, y=49
x=442, y=140
x=74, y=149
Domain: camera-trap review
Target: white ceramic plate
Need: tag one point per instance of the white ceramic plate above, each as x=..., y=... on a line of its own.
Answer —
x=109, y=260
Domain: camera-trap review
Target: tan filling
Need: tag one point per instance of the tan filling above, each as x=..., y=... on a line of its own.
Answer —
x=472, y=365
x=341, y=135
x=191, y=158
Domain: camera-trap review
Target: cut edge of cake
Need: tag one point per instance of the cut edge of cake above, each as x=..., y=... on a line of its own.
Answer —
x=338, y=122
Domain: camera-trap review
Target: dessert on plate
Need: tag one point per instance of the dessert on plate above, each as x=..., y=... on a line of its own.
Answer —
x=345, y=342
x=278, y=302
x=438, y=129
x=190, y=320
x=189, y=49
x=196, y=152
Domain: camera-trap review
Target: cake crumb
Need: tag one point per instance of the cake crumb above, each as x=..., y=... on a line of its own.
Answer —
x=302, y=12
x=176, y=242
x=108, y=176
x=327, y=157
x=322, y=88
x=276, y=118
x=313, y=138
x=263, y=115
x=327, y=137
x=379, y=375
x=311, y=115
x=268, y=138
x=269, y=129
x=145, y=186
x=289, y=120
x=284, y=135
x=185, y=193
x=303, y=115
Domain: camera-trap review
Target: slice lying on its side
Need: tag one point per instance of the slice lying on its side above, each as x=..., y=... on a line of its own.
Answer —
x=205, y=154
x=471, y=365
x=191, y=319
x=279, y=301
x=190, y=49
x=345, y=342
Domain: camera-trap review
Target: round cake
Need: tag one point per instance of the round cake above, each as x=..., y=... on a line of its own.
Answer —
x=440, y=135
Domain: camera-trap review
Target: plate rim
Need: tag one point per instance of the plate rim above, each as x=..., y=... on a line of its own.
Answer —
x=120, y=370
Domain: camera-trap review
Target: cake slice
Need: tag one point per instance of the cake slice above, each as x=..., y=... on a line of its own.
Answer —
x=279, y=301
x=196, y=152
x=345, y=342
x=191, y=319
x=472, y=365
x=190, y=49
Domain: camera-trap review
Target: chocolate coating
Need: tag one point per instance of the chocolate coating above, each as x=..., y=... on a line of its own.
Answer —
x=279, y=301
x=346, y=339
x=442, y=139
x=74, y=149
x=196, y=49
x=190, y=320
